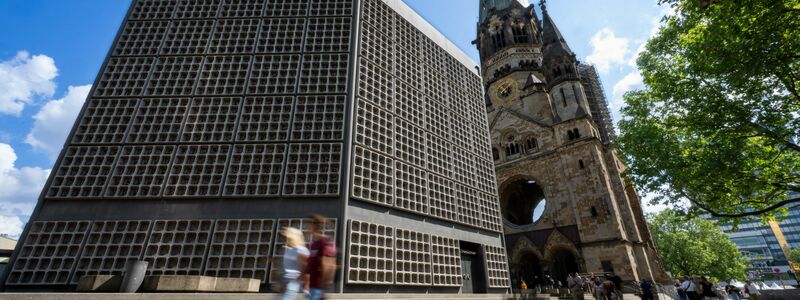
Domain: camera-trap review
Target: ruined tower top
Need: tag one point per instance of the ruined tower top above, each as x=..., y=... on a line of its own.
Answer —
x=488, y=5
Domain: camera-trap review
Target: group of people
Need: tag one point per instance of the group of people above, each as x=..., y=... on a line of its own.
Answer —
x=311, y=270
x=605, y=287
x=307, y=270
x=691, y=288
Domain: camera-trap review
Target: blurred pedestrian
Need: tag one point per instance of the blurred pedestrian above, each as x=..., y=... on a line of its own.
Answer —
x=646, y=289
x=708, y=290
x=322, y=262
x=295, y=257
x=733, y=292
x=599, y=294
x=690, y=288
x=575, y=285
x=617, y=282
x=752, y=290
x=609, y=291
x=681, y=292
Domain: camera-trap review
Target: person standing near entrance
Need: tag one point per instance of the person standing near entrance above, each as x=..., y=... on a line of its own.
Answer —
x=599, y=293
x=322, y=262
x=575, y=285
x=617, y=282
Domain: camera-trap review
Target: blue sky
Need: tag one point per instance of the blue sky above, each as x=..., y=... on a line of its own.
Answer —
x=51, y=51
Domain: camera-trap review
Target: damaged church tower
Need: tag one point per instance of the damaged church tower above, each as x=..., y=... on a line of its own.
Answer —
x=566, y=205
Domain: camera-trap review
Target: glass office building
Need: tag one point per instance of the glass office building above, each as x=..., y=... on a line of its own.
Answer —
x=766, y=244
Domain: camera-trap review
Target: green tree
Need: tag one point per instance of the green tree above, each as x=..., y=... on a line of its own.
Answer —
x=694, y=246
x=794, y=255
x=718, y=122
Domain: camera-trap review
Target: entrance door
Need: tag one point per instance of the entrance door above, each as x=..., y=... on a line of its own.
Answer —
x=563, y=264
x=467, y=259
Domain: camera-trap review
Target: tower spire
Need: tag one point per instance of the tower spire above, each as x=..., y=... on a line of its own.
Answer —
x=553, y=40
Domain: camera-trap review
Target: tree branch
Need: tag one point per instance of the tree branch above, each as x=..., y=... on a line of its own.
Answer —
x=770, y=134
x=714, y=213
x=758, y=128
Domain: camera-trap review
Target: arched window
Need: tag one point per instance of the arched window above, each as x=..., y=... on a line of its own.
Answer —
x=520, y=36
x=512, y=148
x=576, y=133
x=530, y=145
x=498, y=39
x=580, y=164
x=570, y=135
x=563, y=97
x=495, y=154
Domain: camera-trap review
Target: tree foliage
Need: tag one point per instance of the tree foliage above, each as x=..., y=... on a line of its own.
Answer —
x=794, y=255
x=718, y=121
x=694, y=246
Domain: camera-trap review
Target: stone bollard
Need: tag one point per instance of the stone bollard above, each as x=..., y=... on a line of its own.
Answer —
x=133, y=277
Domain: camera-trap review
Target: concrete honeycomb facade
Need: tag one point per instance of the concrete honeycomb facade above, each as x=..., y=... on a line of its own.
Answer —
x=552, y=140
x=214, y=123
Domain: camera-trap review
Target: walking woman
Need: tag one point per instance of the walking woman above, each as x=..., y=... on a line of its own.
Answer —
x=295, y=258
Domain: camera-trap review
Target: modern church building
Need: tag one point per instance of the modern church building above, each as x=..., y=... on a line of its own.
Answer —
x=214, y=123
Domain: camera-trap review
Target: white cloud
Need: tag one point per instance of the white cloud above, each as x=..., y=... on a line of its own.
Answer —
x=10, y=225
x=53, y=122
x=608, y=50
x=19, y=189
x=655, y=26
x=631, y=81
x=22, y=78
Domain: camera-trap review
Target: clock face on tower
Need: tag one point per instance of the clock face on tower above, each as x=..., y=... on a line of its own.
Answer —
x=504, y=91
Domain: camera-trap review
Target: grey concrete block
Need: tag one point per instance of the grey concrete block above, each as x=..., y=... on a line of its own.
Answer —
x=99, y=283
x=240, y=249
x=179, y=283
x=319, y=117
x=371, y=253
x=236, y=285
x=313, y=170
x=178, y=247
x=83, y=173
x=201, y=284
x=49, y=253
x=109, y=245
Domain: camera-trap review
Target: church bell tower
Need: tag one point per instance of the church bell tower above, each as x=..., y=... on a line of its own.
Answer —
x=566, y=205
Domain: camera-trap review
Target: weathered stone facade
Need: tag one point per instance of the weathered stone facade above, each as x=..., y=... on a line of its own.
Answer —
x=552, y=141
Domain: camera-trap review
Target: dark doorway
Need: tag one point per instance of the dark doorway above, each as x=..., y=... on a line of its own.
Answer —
x=522, y=202
x=467, y=260
x=563, y=264
x=473, y=269
x=530, y=270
